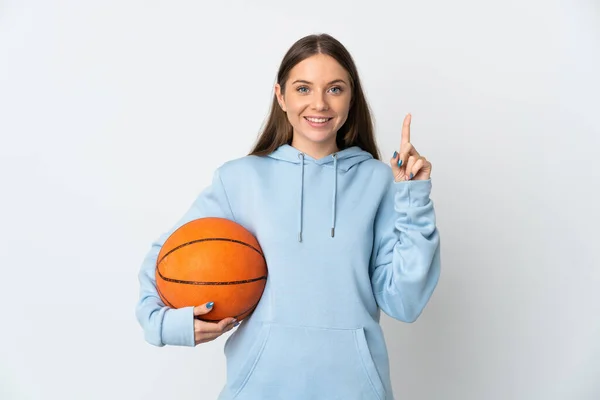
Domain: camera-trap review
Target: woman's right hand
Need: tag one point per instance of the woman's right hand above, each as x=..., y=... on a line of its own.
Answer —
x=207, y=331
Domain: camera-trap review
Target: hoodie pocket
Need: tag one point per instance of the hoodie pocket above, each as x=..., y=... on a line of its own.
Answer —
x=289, y=362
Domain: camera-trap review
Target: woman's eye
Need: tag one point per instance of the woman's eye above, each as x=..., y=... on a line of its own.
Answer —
x=302, y=89
x=336, y=90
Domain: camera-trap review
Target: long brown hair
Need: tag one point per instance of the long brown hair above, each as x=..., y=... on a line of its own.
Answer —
x=358, y=128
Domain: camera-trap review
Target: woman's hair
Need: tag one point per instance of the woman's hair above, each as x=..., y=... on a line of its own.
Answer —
x=358, y=128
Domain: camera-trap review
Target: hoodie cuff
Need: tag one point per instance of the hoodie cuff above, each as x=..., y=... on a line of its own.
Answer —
x=412, y=193
x=178, y=327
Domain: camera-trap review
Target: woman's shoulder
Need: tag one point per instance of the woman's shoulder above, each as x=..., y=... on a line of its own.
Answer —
x=377, y=168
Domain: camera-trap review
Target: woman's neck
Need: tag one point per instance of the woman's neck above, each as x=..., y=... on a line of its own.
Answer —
x=315, y=150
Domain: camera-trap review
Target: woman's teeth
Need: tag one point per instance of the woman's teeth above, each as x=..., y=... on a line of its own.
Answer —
x=318, y=120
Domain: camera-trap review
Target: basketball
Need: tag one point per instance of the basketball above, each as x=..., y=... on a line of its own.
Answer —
x=212, y=259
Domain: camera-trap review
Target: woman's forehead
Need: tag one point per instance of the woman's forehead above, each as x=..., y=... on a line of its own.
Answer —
x=318, y=69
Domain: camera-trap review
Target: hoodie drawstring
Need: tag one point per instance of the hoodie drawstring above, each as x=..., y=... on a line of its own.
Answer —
x=334, y=199
x=301, y=157
x=334, y=195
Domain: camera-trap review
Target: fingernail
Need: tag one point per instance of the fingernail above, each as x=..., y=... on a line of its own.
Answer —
x=411, y=175
x=399, y=163
x=395, y=154
x=210, y=305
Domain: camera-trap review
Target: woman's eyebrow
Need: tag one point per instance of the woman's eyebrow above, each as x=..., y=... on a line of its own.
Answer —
x=310, y=83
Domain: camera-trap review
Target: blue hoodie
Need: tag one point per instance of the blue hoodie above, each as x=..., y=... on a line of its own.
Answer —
x=342, y=240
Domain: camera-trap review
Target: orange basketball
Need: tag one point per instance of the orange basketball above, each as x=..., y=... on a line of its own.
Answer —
x=212, y=259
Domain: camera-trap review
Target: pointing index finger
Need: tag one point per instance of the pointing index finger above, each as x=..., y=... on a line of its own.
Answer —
x=406, y=131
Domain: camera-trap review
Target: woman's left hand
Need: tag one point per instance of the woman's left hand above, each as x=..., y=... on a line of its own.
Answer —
x=408, y=164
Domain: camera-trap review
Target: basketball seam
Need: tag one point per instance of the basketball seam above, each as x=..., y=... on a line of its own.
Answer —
x=207, y=282
x=212, y=240
x=163, y=297
x=241, y=282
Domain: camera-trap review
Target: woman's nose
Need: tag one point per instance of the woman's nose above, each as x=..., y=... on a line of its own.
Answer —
x=319, y=102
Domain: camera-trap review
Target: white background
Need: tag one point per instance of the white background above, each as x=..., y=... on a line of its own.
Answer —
x=114, y=115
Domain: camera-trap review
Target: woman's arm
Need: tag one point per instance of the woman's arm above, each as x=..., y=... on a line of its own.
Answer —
x=405, y=264
x=163, y=325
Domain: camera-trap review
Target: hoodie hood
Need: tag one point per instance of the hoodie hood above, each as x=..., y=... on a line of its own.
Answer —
x=342, y=160
x=346, y=158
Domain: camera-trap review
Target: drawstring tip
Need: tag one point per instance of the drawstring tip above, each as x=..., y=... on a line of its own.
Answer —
x=332, y=232
x=300, y=236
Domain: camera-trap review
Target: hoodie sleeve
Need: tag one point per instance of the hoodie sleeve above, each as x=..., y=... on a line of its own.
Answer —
x=164, y=325
x=405, y=264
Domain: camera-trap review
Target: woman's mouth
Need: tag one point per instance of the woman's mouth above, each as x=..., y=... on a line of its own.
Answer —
x=317, y=122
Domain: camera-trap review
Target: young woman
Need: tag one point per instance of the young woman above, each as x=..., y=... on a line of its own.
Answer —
x=344, y=236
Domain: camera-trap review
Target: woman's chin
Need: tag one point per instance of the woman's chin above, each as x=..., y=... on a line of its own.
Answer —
x=319, y=137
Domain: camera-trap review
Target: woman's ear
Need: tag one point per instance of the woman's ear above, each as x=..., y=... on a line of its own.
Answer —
x=279, y=95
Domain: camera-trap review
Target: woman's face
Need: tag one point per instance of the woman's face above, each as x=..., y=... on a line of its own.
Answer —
x=316, y=100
